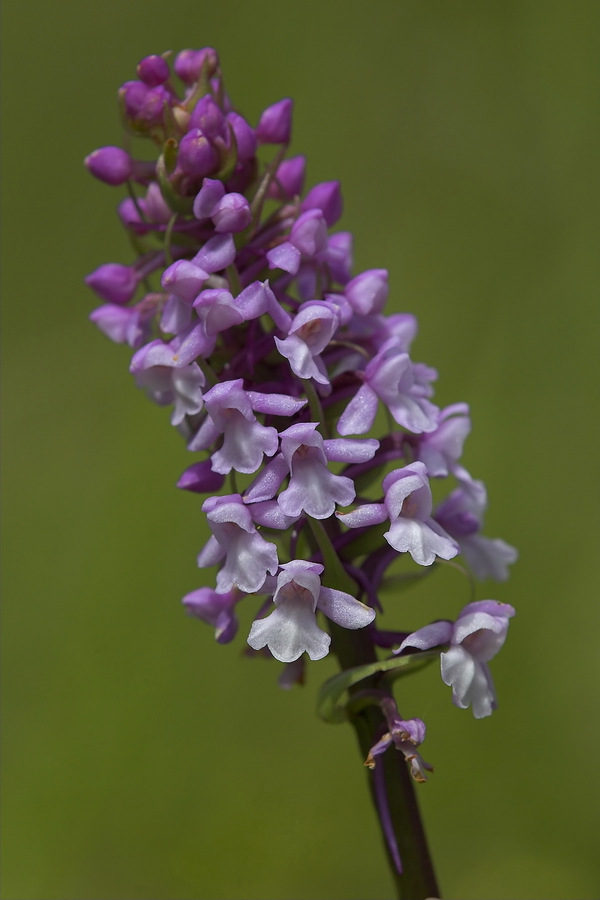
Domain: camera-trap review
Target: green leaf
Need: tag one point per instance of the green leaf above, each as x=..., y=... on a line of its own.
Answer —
x=331, y=706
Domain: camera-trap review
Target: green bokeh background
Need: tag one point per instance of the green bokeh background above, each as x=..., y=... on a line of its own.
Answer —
x=141, y=759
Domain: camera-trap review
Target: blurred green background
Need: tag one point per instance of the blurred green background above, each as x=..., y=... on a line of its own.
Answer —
x=144, y=761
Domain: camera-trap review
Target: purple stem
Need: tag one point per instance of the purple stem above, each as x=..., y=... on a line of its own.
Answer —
x=385, y=818
x=353, y=471
x=368, y=587
x=398, y=811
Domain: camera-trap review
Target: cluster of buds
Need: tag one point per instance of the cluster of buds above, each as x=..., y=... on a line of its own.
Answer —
x=247, y=319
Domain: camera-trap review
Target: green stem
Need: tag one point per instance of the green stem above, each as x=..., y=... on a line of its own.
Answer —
x=168, y=237
x=355, y=648
x=417, y=881
x=336, y=576
x=261, y=193
x=208, y=372
x=233, y=277
x=314, y=404
x=135, y=199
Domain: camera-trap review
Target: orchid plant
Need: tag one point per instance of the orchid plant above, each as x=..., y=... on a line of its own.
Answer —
x=310, y=423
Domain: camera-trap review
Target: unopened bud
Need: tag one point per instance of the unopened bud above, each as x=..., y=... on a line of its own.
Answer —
x=184, y=279
x=339, y=256
x=113, y=282
x=188, y=64
x=289, y=179
x=144, y=106
x=275, y=125
x=110, y=164
x=368, y=292
x=208, y=118
x=328, y=198
x=154, y=205
x=232, y=213
x=153, y=70
x=244, y=136
x=197, y=157
x=309, y=233
x=201, y=479
x=210, y=193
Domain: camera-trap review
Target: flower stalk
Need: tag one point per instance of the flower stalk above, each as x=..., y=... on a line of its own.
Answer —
x=402, y=829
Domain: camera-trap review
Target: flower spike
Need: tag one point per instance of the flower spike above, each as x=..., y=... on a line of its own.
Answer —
x=280, y=364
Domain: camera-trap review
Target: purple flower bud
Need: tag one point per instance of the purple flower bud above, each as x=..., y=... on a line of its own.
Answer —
x=368, y=292
x=144, y=106
x=208, y=196
x=127, y=324
x=208, y=118
x=328, y=198
x=113, y=282
x=309, y=233
x=153, y=70
x=244, y=136
x=339, y=256
x=197, y=157
x=289, y=179
x=216, y=254
x=188, y=63
x=201, y=479
x=176, y=315
x=217, y=310
x=215, y=609
x=110, y=164
x=113, y=320
x=275, y=125
x=154, y=205
x=153, y=110
x=134, y=95
x=129, y=215
x=184, y=279
x=232, y=213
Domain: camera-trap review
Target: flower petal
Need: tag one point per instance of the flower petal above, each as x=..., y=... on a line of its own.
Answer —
x=290, y=631
x=344, y=609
